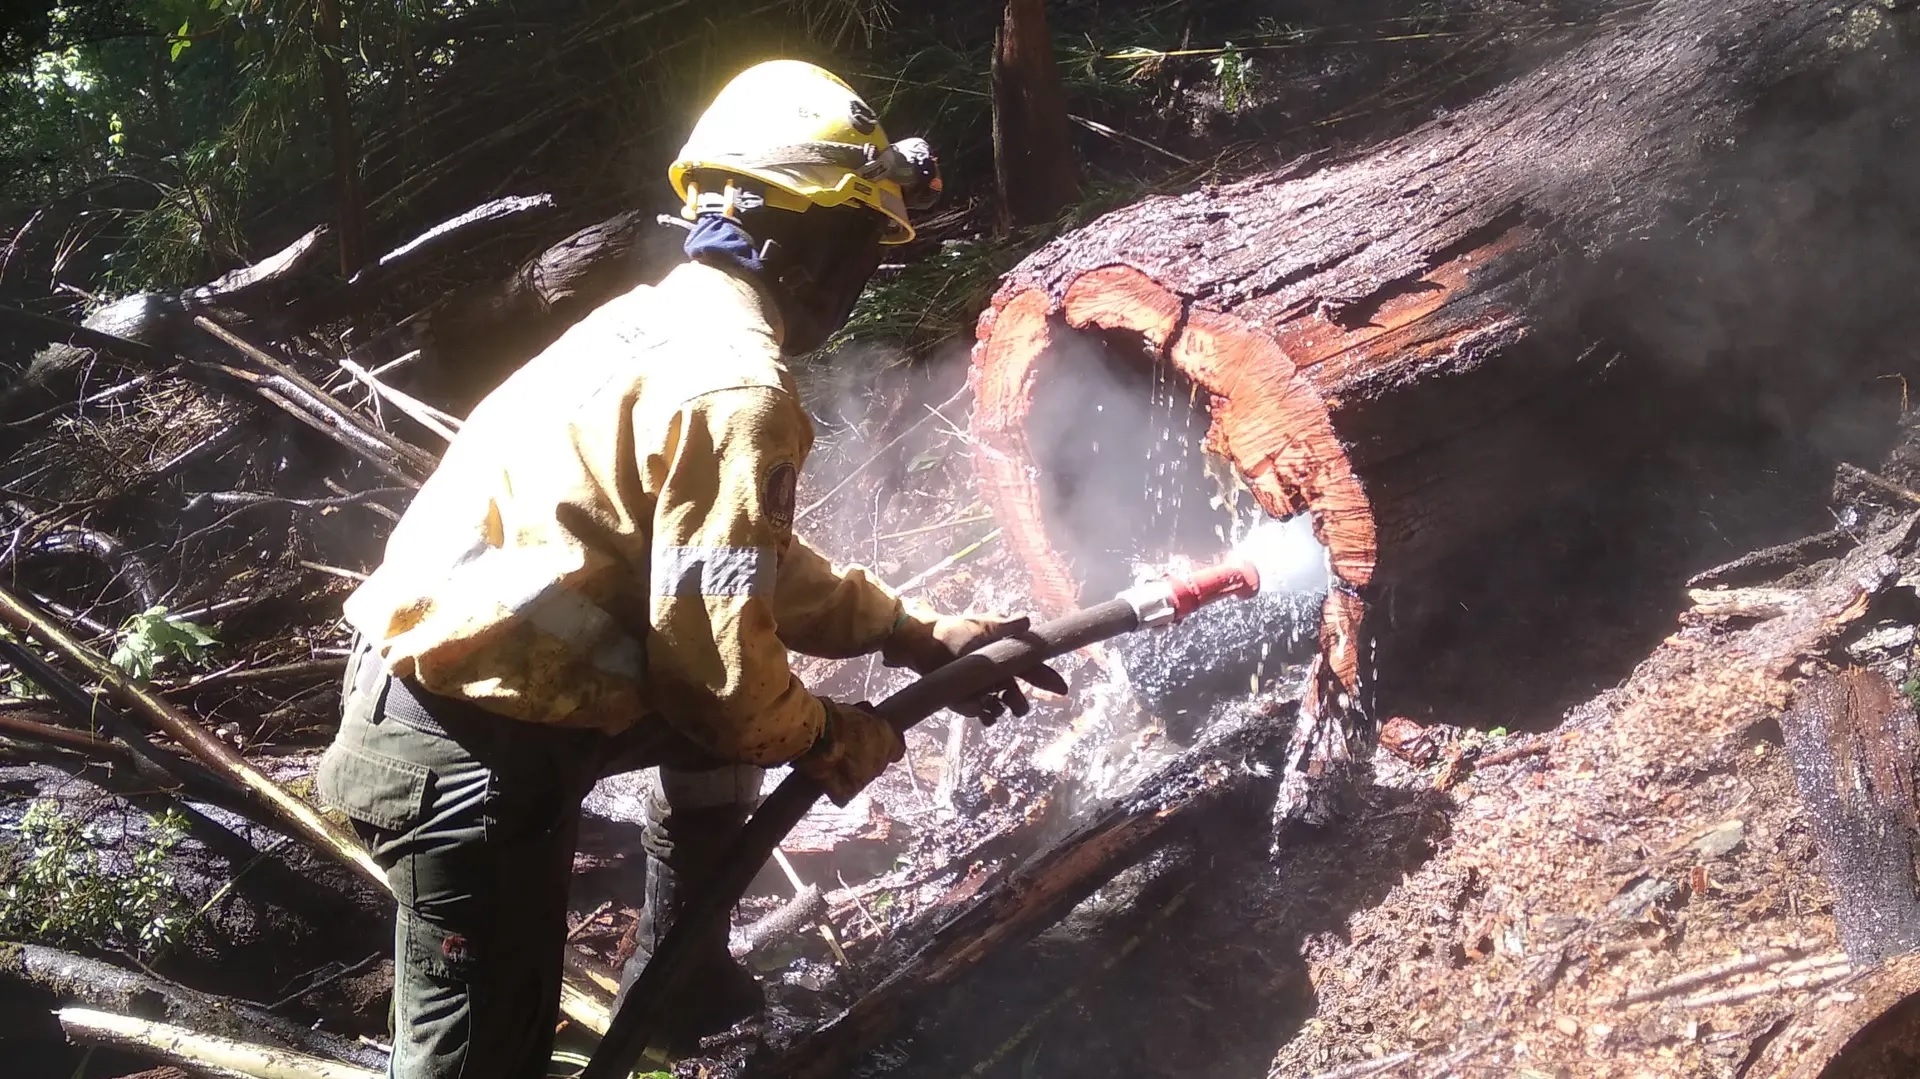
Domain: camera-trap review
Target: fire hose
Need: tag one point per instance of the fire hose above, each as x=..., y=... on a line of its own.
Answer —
x=639, y=1018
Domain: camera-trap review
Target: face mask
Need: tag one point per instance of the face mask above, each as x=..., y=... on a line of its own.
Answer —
x=817, y=263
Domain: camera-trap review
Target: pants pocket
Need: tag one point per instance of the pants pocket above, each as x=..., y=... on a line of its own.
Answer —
x=369, y=786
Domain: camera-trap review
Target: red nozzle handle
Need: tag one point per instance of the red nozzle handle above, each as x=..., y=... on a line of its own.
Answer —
x=1193, y=591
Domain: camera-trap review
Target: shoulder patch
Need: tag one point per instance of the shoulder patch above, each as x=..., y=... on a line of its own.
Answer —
x=778, y=492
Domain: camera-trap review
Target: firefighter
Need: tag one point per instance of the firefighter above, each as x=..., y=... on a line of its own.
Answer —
x=603, y=575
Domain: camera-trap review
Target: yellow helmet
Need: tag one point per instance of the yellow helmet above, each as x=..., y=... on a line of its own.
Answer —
x=811, y=141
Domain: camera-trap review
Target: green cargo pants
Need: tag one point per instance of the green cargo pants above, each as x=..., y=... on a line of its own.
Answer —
x=474, y=818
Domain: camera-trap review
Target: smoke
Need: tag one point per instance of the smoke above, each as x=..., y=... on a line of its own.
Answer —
x=1124, y=480
x=1129, y=493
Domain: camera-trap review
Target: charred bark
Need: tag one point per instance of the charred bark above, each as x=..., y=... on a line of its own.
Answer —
x=1855, y=742
x=1393, y=343
x=988, y=912
x=475, y=338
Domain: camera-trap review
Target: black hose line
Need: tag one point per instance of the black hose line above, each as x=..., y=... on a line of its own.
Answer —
x=639, y=1017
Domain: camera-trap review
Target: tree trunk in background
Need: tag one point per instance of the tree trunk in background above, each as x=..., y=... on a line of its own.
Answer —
x=1395, y=343
x=1032, y=152
x=350, y=204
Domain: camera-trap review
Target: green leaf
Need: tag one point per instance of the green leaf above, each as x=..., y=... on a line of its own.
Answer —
x=181, y=41
x=151, y=638
x=925, y=461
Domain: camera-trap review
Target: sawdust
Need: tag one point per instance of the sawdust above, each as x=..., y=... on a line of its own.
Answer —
x=1658, y=834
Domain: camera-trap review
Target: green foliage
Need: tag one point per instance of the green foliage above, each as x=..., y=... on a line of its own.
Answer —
x=1234, y=73
x=18, y=686
x=1911, y=690
x=151, y=638
x=928, y=301
x=61, y=889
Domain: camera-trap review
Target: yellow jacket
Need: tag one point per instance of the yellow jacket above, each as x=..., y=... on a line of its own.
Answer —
x=611, y=536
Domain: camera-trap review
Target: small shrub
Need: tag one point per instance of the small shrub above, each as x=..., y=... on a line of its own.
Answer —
x=60, y=889
x=149, y=639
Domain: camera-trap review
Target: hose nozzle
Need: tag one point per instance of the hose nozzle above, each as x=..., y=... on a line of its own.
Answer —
x=1172, y=598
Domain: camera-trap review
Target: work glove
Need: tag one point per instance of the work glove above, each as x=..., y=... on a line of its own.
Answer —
x=854, y=747
x=930, y=642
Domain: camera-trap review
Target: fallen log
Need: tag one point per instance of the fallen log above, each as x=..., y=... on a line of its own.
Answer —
x=74, y=979
x=1395, y=343
x=144, y=328
x=476, y=337
x=204, y=1053
x=988, y=912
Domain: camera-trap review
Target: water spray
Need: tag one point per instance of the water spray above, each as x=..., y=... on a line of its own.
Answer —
x=1269, y=559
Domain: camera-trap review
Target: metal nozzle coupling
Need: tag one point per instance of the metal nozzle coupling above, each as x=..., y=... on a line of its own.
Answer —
x=1158, y=603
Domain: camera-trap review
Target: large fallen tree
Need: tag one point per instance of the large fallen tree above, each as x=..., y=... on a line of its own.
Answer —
x=1393, y=343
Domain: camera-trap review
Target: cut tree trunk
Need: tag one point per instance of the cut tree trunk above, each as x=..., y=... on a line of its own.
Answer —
x=1390, y=343
x=1033, y=159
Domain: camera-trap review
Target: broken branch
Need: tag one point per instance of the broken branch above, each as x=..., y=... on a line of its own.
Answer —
x=1705, y=976
x=70, y=979
x=202, y=1052
x=440, y=423
x=199, y=741
x=315, y=397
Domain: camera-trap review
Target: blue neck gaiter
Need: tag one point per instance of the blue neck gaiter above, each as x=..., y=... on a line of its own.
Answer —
x=721, y=242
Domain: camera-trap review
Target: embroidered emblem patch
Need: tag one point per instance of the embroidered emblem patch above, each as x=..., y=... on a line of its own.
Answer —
x=783, y=481
x=455, y=948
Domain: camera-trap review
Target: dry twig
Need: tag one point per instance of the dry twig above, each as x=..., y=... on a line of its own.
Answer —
x=1693, y=979
x=433, y=419
x=808, y=509
x=1364, y=1068
x=1808, y=979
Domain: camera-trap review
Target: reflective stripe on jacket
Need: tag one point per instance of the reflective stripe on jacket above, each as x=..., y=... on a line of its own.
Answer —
x=611, y=536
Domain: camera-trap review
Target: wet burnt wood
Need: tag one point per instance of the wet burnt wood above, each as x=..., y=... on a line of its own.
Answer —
x=987, y=912
x=1855, y=745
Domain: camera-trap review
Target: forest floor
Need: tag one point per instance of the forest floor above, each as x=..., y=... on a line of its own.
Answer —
x=1597, y=804
x=1593, y=829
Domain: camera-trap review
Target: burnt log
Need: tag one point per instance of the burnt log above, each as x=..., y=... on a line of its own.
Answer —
x=1399, y=343
x=476, y=337
x=64, y=978
x=1855, y=744
x=989, y=911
